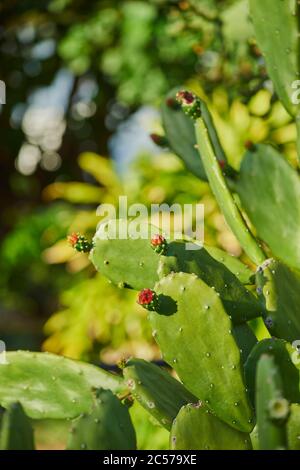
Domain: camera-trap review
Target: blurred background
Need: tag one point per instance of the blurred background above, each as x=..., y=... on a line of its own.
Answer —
x=84, y=84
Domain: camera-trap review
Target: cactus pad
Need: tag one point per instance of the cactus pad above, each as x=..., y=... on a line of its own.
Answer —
x=107, y=427
x=196, y=339
x=156, y=390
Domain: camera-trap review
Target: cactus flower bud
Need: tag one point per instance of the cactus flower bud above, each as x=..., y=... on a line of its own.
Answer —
x=249, y=145
x=159, y=244
x=147, y=298
x=190, y=103
x=159, y=140
x=79, y=243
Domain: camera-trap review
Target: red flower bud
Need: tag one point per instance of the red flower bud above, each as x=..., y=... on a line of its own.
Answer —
x=249, y=145
x=79, y=242
x=147, y=298
x=190, y=103
x=159, y=243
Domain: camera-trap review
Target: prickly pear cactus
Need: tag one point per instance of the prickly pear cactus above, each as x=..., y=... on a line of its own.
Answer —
x=277, y=32
x=196, y=338
x=16, y=432
x=156, y=390
x=269, y=189
x=293, y=427
x=107, y=427
x=280, y=290
x=196, y=428
x=272, y=407
x=50, y=386
x=280, y=351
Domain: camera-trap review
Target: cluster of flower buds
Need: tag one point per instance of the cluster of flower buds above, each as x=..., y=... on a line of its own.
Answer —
x=80, y=243
x=190, y=103
x=159, y=244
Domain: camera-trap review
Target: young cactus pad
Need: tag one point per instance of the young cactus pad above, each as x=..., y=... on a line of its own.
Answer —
x=279, y=350
x=16, y=432
x=107, y=427
x=196, y=428
x=293, y=427
x=223, y=195
x=196, y=338
x=50, y=386
x=269, y=189
x=128, y=261
x=156, y=390
x=280, y=287
x=272, y=408
x=276, y=25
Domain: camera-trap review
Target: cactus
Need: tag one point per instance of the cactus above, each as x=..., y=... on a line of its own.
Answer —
x=293, y=427
x=16, y=432
x=196, y=428
x=144, y=266
x=50, y=386
x=199, y=301
x=272, y=408
x=156, y=390
x=107, y=427
x=280, y=289
x=239, y=302
x=277, y=32
x=181, y=138
x=140, y=269
x=280, y=351
x=184, y=328
x=223, y=195
x=269, y=189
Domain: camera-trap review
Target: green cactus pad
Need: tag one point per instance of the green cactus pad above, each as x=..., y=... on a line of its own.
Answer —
x=239, y=302
x=279, y=350
x=245, y=339
x=269, y=189
x=293, y=427
x=50, y=386
x=223, y=195
x=280, y=287
x=126, y=262
x=239, y=269
x=107, y=427
x=180, y=134
x=196, y=428
x=196, y=338
x=156, y=390
x=271, y=406
x=16, y=432
x=133, y=263
x=277, y=32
